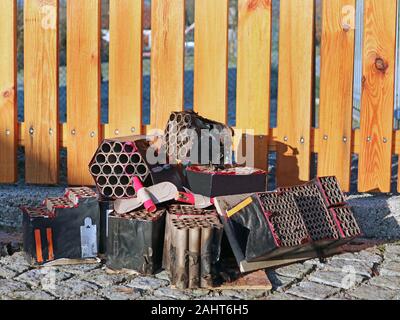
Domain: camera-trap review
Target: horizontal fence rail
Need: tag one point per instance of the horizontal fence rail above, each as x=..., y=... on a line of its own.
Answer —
x=295, y=139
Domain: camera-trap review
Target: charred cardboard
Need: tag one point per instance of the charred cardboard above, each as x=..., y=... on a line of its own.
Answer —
x=246, y=221
x=211, y=183
x=135, y=241
x=65, y=233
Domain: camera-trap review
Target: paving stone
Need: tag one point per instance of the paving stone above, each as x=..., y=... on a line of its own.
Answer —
x=7, y=286
x=16, y=262
x=43, y=277
x=80, y=269
x=390, y=268
x=297, y=270
x=200, y=292
x=392, y=253
x=147, y=283
x=120, y=293
x=163, y=275
x=386, y=282
x=7, y=273
x=279, y=282
x=73, y=289
x=103, y=280
x=343, y=265
x=171, y=293
x=281, y=296
x=336, y=279
x=370, y=292
x=312, y=290
x=314, y=263
x=31, y=295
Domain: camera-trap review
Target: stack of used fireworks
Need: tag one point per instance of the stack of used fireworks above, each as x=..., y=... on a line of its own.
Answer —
x=64, y=227
x=292, y=220
x=192, y=246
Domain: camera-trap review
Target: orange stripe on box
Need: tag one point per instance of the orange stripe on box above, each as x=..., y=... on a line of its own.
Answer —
x=38, y=241
x=49, y=234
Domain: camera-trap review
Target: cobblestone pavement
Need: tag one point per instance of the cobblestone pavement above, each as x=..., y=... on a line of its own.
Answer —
x=373, y=273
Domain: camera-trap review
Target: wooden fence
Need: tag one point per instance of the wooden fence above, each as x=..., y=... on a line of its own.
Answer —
x=294, y=139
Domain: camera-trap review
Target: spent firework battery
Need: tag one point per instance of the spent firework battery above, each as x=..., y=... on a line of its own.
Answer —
x=215, y=181
x=190, y=138
x=292, y=220
x=62, y=229
x=193, y=249
x=117, y=161
x=135, y=240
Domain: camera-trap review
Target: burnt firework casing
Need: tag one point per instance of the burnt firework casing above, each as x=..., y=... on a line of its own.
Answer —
x=135, y=241
x=228, y=180
x=291, y=221
x=69, y=232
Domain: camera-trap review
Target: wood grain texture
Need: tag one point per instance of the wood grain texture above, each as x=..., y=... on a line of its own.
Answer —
x=377, y=101
x=295, y=94
x=336, y=91
x=8, y=92
x=41, y=91
x=125, y=68
x=253, y=73
x=211, y=59
x=167, y=60
x=83, y=83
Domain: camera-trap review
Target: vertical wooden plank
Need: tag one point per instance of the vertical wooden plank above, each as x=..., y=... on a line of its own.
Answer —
x=125, y=73
x=41, y=91
x=295, y=93
x=336, y=90
x=211, y=59
x=167, y=59
x=377, y=100
x=83, y=87
x=253, y=73
x=8, y=92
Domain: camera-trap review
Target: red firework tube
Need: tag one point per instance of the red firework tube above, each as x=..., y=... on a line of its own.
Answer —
x=144, y=195
x=185, y=198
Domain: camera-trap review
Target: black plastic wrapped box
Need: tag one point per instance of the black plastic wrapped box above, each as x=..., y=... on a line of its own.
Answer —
x=63, y=228
x=216, y=181
x=135, y=241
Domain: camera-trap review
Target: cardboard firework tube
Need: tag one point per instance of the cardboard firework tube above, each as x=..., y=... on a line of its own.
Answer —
x=118, y=169
x=130, y=191
x=106, y=169
x=187, y=120
x=205, y=269
x=112, y=180
x=124, y=180
x=112, y=158
x=166, y=261
x=102, y=181
x=107, y=191
x=141, y=170
x=101, y=158
x=129, y=147
x=194, y=256
x=181, y=263
x=119, y=192
x=136, y=158
x=95, y=169
x=172, y=117
x=123, y=158
x=130, y=169
x=118, y=147
x=106, y=147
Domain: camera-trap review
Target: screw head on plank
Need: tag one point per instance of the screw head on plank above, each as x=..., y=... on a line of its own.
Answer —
x=116, y=132
x=73, y=132
x=31, y=131
x=92, y=134
x=325, y=137
x=345, y=139
x=133, y=129
x=8, y=132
